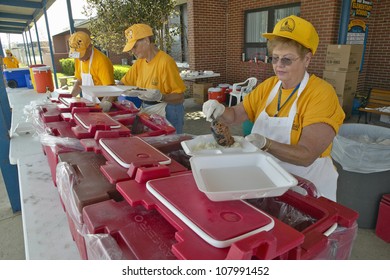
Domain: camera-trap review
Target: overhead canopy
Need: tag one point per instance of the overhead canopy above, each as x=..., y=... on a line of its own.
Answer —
x=17, y=16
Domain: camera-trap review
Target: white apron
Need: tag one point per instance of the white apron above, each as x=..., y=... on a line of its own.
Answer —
x=322, y=171
x=87, y=80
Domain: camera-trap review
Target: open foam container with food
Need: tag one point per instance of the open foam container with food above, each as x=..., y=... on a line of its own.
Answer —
x=206, y=145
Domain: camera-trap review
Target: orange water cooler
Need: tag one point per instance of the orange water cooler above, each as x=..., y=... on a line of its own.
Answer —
x=217, y=94
x=43, y=79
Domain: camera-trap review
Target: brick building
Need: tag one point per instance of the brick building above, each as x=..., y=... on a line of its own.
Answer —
x=214, y=38
x=216, y=31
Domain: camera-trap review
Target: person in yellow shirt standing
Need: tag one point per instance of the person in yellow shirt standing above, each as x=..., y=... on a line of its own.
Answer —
x=10, y=61
x=92, y=67
x=295, y=115
x=155, y=70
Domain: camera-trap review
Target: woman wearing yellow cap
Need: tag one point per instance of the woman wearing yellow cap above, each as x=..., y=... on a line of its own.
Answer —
x=92, y=67
x=295, y=115
x=154, y=69
x=10, y=61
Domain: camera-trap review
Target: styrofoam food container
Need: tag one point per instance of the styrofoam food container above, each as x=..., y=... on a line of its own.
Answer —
x=206, y=145
x=240, y=176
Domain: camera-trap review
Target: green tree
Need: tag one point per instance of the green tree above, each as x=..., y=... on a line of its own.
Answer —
x=110, y=18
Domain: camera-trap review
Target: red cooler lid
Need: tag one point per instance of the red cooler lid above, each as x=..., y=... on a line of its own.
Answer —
x=127, y=150
x=68, y=101
x=89, y=119
x=218, y=223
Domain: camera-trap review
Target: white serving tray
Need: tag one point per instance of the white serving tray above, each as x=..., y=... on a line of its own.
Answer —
x=101, y=91
x=206, y=145
x=240, y=176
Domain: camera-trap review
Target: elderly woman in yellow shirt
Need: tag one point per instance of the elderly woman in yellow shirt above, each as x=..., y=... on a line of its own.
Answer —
x=10, y=61
x=295, y=115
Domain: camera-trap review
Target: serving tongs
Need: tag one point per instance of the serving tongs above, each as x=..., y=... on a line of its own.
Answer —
x=221, y=133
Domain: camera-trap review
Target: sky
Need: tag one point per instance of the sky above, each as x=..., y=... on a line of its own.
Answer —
x=57, y=18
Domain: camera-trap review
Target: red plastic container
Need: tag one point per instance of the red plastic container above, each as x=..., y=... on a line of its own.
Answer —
x=383, y=223
x=82, y=184
x=282, y=242
x=144, y=125
x=88, y=123
x=135, y=233
x=138, y=160
x=262, y=245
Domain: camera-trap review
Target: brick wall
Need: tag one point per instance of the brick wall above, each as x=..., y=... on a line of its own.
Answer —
x=207, y=37
x=377, y=55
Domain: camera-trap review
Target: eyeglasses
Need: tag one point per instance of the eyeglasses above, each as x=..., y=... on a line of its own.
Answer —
x=285, y=61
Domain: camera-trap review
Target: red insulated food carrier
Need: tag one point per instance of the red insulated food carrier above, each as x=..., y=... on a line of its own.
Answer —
x=209, y=230
x=88, y=123
x=131, y=157
x=80, y=183
x=126, y=232
x=382, y=229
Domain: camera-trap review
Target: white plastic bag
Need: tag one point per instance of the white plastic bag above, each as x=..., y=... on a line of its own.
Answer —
x=362, y=148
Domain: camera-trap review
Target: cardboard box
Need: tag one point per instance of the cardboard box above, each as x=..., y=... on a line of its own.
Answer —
x=200, y=92
x=346, y=102
x=344, y=83
x=343, y=57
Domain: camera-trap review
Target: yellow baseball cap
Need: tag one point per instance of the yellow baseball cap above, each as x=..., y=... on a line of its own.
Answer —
x=136, y=32
x=297, y=29
x=8, y=51
x=78, y=43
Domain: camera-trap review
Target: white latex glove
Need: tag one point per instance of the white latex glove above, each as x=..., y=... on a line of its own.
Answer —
x=105, y=105
x=151, y=95
x=256, y=139
x=212, y=109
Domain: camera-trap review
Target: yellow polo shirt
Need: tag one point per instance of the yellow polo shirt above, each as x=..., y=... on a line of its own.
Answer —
x=318, y=103
x=102, y=70
x=11, y=62
x=160, y=73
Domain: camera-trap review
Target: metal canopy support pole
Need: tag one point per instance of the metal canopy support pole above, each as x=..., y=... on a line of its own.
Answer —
x=344, y=21
x=50, y=45
x=25, y=48
x=39, y=43
x=71, y=21
x=32, y=45
x=28, y=49
x=9, y=172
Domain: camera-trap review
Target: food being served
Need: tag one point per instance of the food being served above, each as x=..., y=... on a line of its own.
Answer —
x=221, y=134
x=212, y=146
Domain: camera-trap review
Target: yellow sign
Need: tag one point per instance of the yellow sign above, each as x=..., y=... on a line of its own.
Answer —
x=361, y=8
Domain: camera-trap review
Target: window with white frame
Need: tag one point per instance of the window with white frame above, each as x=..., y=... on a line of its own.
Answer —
x=261, y=21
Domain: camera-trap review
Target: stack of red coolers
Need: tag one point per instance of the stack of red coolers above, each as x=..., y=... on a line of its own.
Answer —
x=130, y=194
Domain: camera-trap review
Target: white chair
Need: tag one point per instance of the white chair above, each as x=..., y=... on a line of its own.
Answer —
x=241, y=89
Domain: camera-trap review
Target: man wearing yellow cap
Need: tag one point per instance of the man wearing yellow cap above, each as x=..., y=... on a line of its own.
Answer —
x=10, y=61
x=295, y=115
x=155, y=70
x=92, y=67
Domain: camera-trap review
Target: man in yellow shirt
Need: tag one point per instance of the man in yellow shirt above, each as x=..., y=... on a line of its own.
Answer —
x=155, y=70
x=295, y=115
x=10, y=61
x=92, y=67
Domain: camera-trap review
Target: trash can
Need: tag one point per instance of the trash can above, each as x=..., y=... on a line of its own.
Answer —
x=361, y=153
